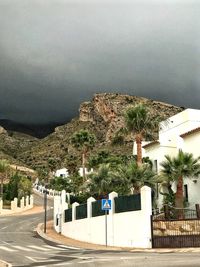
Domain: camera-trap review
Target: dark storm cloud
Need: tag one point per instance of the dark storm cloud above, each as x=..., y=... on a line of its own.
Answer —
x=55, y=54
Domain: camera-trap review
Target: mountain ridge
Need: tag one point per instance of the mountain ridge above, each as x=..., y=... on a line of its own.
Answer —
x=103, y=116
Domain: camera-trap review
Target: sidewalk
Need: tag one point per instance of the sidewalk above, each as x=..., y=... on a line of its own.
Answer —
x=53, y=236
x=35, y=209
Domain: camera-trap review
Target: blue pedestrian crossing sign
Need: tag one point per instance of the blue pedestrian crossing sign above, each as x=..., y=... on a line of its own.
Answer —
x=106, y=204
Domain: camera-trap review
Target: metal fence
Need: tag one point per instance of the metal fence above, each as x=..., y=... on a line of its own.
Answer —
x=127, y=203
x=174, y=228
x=96, y=209
x=81, y=211
x=68, y=215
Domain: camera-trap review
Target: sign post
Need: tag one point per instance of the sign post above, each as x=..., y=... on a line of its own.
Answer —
x=45, y=210
x=106, y=205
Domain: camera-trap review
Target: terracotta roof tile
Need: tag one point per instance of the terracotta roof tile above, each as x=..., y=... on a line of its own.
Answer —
x=190, y=132
x=151, y=144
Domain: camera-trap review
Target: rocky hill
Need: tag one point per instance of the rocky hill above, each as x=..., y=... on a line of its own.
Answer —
x=14, y=143
x=103, y=116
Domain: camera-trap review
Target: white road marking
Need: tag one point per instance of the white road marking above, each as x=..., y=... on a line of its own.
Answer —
x=22, y=248
x=4, y=228
x=32, y=259
x=39, y=248
x=38, y=259
x=7, y=249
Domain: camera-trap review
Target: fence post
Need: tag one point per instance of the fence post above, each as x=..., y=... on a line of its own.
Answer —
x=63, y=197
x=68, y=198
x=197, y=211
x=14, y=204
x=1, y=205
x=31, y=201
x=146, y=202
x=166, y=212
x=74, y=205
x=89, y=206
x=27, y=201
x=146, y=206
x=112, y=197
x=22, y=203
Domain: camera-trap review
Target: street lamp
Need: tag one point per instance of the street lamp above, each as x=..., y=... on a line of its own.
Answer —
x=45, y=209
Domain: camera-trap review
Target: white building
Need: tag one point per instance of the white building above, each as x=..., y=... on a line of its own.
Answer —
x=181, y=131
x=86, y=171
x=62, y=173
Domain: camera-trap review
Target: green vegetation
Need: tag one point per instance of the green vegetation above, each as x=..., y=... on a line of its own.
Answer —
x=18, y=186
x=105, y=181
x=4, y=167
x=176, y=168
x=137, y=176
x=141, y=124
x=84, y=141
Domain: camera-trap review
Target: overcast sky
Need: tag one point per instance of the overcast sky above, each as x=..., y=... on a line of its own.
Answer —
x=56, y=54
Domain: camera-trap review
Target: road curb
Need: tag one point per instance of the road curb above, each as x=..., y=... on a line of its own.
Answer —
x=40, y=232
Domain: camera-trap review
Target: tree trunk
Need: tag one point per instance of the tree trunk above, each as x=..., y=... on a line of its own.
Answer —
x=136, y=190
x=179, y=198
x=139, y=150
x=179, y=193
x=83, y=164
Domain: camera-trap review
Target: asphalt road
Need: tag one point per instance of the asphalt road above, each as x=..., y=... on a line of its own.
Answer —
x=21, y=246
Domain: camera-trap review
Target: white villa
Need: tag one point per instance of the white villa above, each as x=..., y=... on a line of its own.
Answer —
x=64, y=172
x=181, y=131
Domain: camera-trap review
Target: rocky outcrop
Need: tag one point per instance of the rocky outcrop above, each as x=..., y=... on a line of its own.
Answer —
x=103, y=116
x=111, y=107
x=2, y=130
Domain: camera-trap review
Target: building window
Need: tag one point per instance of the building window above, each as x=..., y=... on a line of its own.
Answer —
x=186, y=192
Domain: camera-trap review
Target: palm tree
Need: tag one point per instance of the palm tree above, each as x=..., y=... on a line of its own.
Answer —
x=176, y=168
x=100, y=181
x=104, y=181
x=84, y=141
x=4, y=166
x=140, y=122
x=137, y=175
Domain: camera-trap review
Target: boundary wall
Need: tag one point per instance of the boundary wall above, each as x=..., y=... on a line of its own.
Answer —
x=125, y=229
x=24, y=204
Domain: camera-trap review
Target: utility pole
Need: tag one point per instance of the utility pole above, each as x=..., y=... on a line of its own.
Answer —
x=45, y=210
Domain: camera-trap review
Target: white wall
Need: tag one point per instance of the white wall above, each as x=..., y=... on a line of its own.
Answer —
x=127, y=229
x=191, y=144
x=171, y=142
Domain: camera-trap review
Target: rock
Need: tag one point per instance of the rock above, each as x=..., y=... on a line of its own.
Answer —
x=103, y=116
x=157, y=233
x=111, y=108
x=185, y=228
x=161, y=225
x=2, y=130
